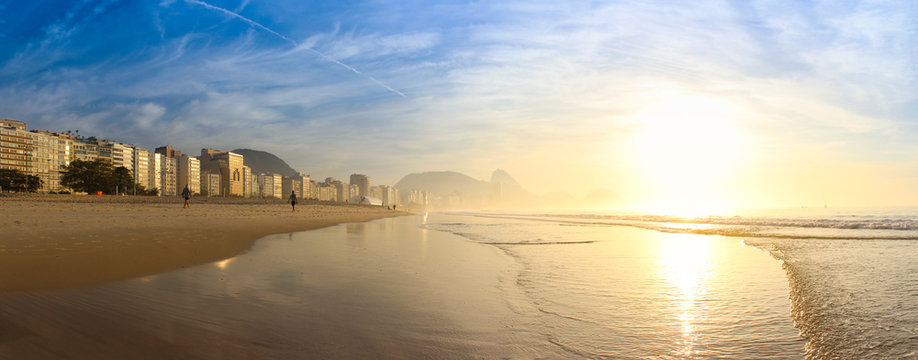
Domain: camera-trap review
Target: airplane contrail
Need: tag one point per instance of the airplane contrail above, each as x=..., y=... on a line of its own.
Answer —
x=295, y=44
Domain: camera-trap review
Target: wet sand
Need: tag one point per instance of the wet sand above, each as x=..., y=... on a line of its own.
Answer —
x=54, y=241
x=383, y=289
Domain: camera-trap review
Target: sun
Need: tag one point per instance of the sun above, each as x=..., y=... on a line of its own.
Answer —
x=686, y=149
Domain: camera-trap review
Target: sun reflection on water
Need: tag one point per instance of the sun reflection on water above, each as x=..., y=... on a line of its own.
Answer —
x=685, y=261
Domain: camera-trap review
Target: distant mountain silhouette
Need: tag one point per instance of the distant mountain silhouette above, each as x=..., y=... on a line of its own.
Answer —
x=511, y=192
x=502, y=190
x=457, y=190
x=264, y=162
x=502, y=177
x=445, y=183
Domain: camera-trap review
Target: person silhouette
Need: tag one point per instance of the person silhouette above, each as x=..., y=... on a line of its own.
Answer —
x=292, y=200
x=186, y=193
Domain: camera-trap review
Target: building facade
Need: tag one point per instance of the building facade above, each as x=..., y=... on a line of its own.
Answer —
x=189, y=173
x=169, y=176
x=142, y=168
x=52, y=156
x=156, y=172
x=249, y=183
x=363, y=184
x=229, y=166
x=291, y=184
x=15, y=146
x=120, y=154
x=211, y=183
x=87, y=149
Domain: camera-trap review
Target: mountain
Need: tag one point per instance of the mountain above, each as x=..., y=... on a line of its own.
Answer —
x=502, y=177
x=511, y=192
x=445, y=183
x=264, y=162
x=460, y=190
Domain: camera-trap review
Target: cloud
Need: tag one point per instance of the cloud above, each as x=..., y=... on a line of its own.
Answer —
x=295, y=44
x=488, y=82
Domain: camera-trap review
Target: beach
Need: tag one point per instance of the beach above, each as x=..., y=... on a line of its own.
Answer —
x=54, y=241
x=428, y=286
x=453, y=285
x=381, y=289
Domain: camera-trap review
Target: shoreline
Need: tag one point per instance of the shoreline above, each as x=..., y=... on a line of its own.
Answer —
x=60, y=241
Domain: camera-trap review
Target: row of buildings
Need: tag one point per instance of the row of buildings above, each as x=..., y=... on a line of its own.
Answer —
x=212, y=173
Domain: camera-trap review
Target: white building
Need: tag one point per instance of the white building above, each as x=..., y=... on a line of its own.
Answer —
x=142, y=168
x=189, y=173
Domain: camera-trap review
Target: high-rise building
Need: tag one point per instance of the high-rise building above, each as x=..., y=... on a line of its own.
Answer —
x=304, y=181
x=169, y=151
x=249, y=183
x=172, y=185
x=228, y=165
x=52, y=155
x=291, y=184
x=189, y=173
x=143, y=168
x=270, y=186
x=352, y=190
x=169, y=174
x=342, y=191
x=211, y=183
x=389, y=195
x=325, y=192
x=15, y=146
x=87, y=149
x=156, y=172
x=120, y=154
x=363, y=184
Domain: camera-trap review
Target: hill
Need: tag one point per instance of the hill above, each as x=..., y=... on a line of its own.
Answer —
x=445, y=183
x=457, y=189
x=265, y=162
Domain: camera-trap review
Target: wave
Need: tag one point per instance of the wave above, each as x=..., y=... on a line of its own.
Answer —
x=854, y=222
x=852, y=227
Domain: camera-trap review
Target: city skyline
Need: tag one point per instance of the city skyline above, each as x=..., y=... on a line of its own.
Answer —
x=748, y=104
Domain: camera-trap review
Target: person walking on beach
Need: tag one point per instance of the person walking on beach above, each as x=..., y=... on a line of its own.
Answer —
x=292, y=200
x=186, y=193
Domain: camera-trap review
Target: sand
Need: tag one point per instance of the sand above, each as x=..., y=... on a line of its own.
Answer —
x=384, y=289
x=56, y=241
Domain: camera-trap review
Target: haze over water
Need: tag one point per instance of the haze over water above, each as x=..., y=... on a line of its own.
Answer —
x=851, y=273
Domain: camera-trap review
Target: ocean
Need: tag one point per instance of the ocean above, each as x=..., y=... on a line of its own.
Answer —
x=801, y=283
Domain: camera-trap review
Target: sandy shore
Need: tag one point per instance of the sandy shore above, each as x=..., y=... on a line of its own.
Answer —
x=53, y=241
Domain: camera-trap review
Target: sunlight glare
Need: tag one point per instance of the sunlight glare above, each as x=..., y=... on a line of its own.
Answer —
x=685, y=260
x=686, y=149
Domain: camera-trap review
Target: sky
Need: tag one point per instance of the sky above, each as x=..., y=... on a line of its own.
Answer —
x=667, y=103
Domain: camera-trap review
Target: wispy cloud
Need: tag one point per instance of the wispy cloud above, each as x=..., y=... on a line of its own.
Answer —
x=491, y=83
x=294, y=43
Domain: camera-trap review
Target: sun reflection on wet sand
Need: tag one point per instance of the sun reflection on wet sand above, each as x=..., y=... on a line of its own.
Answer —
x=223, y=264
x=685, y=260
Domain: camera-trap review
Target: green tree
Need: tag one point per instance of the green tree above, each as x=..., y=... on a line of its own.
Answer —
x=33, y=183
x=18, y=181
x=88, y=176
x=122, y=180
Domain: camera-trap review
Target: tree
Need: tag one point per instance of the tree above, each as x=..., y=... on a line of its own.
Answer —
x=15, y=180
x=122, y=180
x=88, y=176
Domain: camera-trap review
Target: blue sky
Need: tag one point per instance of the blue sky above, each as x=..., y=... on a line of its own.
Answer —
x=554, y=92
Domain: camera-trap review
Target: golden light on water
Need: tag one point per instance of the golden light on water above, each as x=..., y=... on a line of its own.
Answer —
x=685, y=260
x=686, y=149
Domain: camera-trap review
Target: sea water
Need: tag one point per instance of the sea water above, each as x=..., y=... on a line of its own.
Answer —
x=847, y=281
